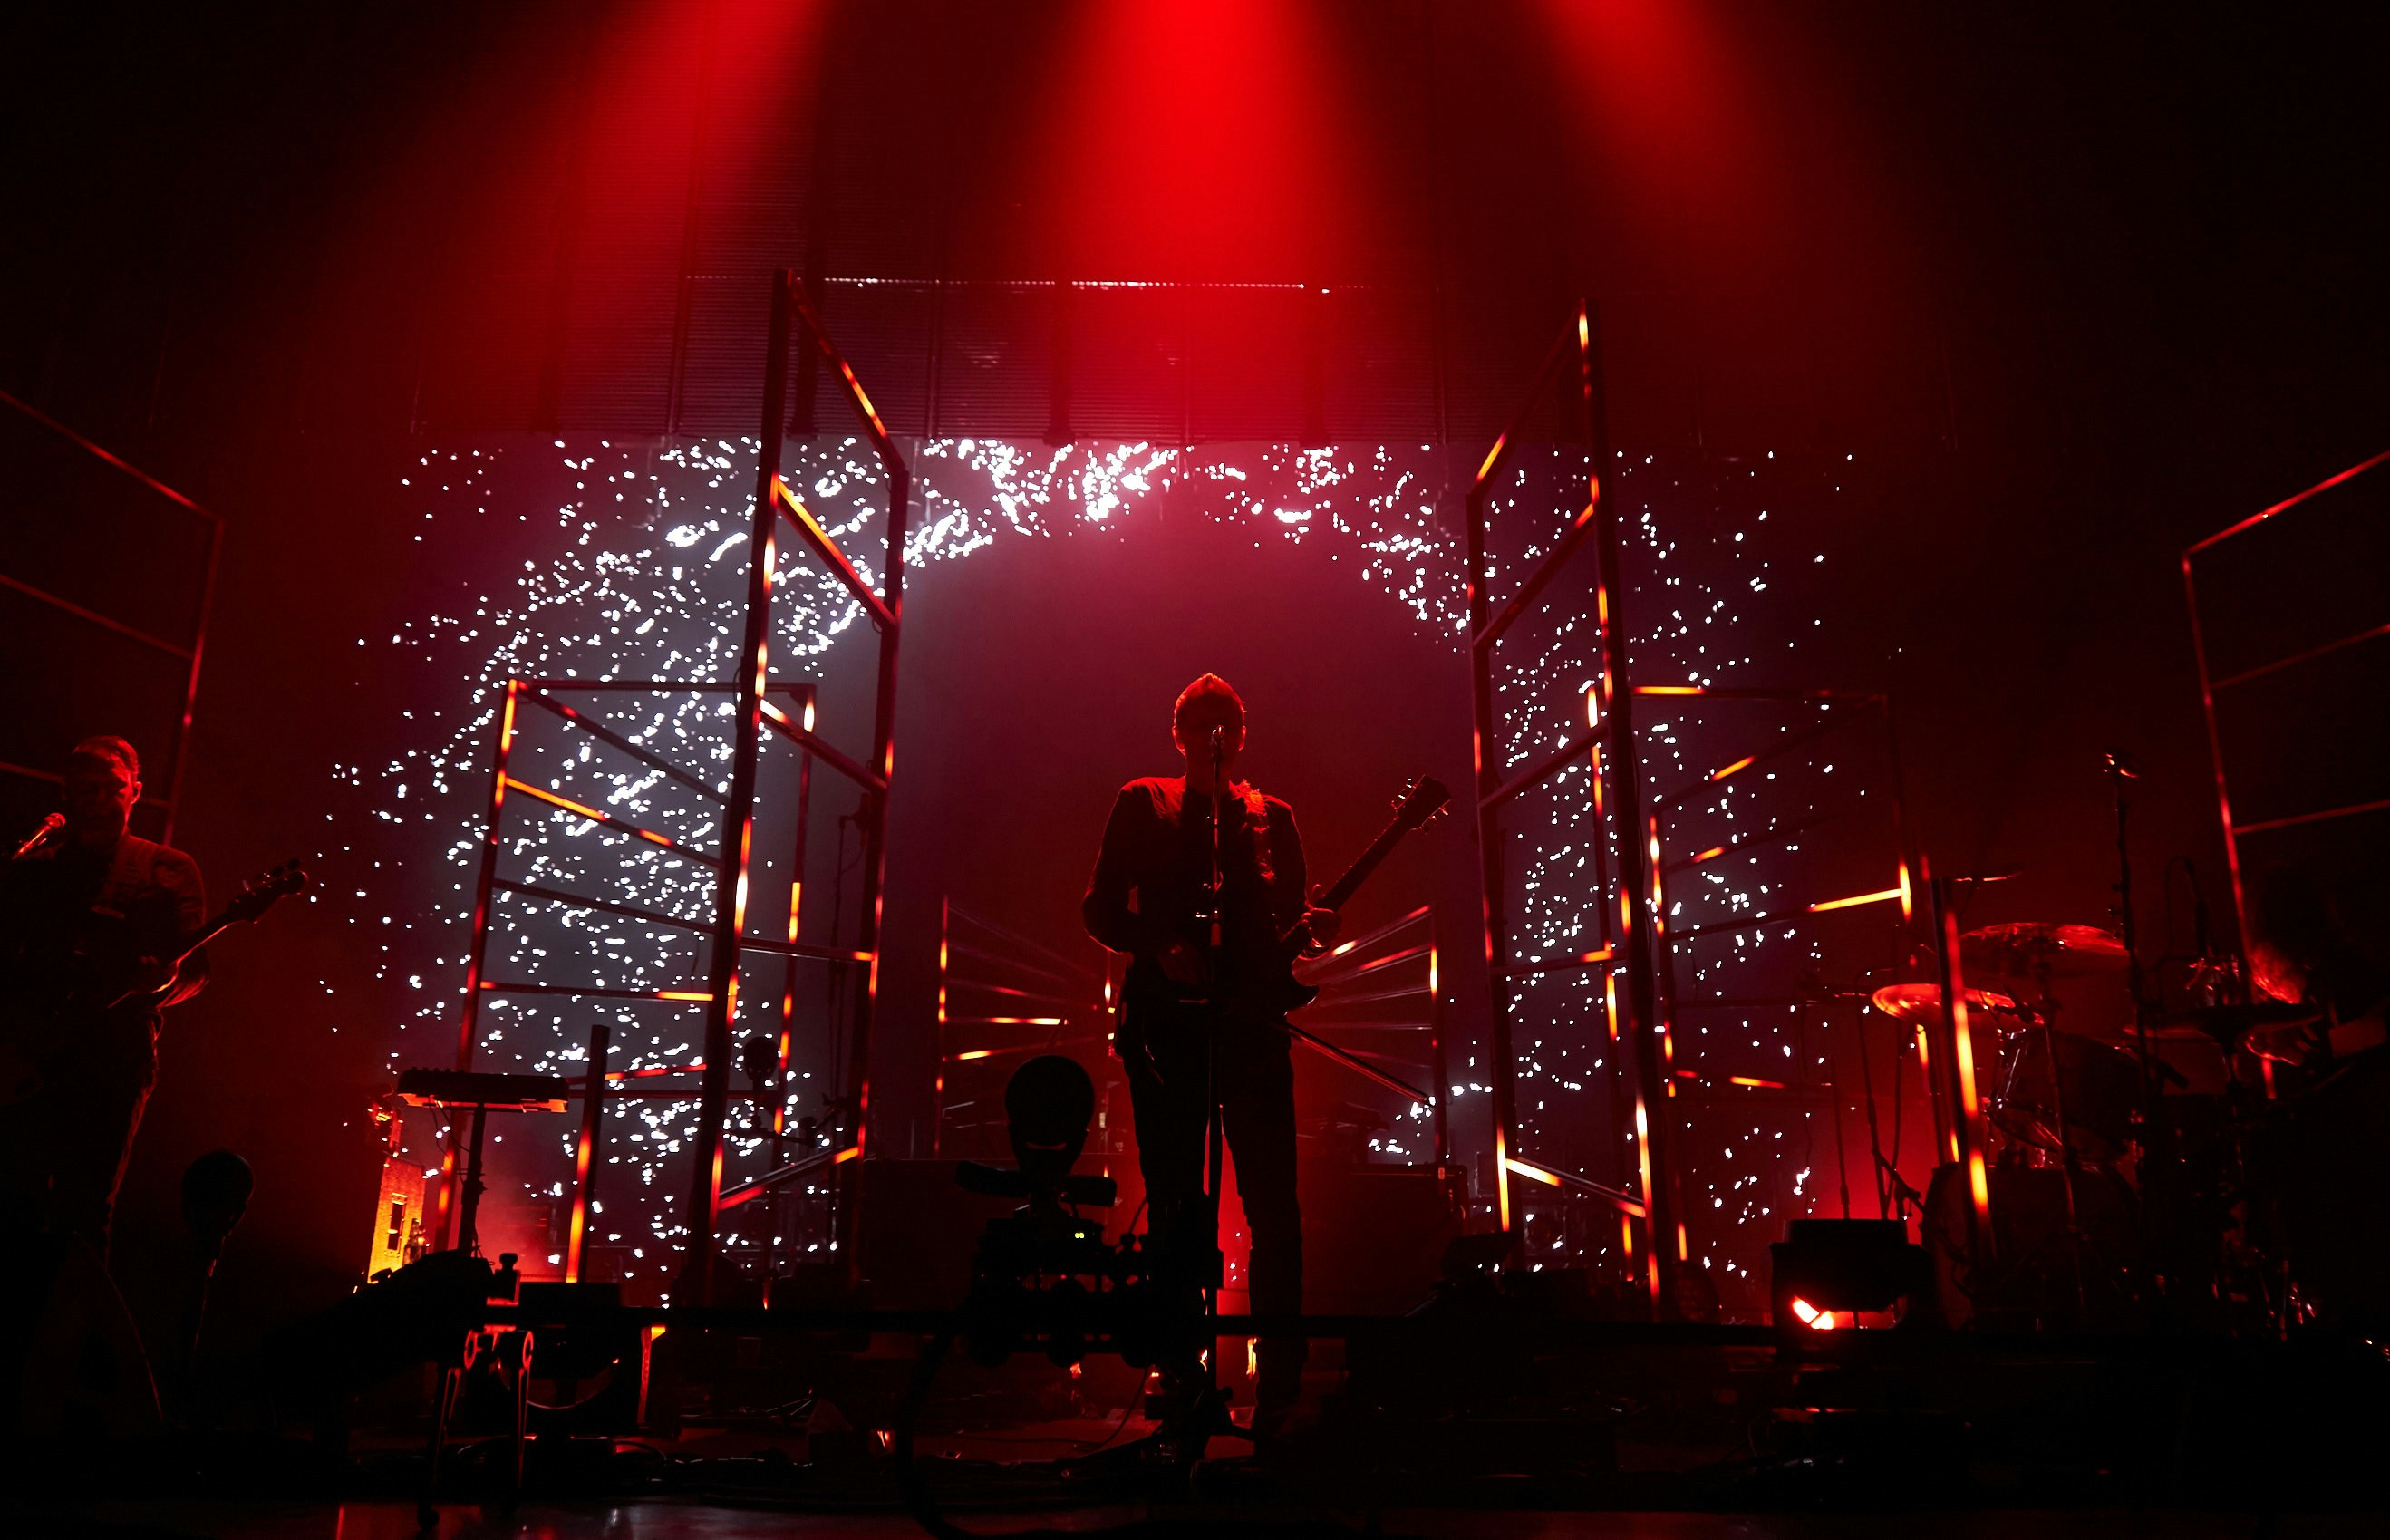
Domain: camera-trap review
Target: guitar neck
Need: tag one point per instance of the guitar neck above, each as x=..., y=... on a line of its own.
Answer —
x=1350, y=883
x=1358, y=872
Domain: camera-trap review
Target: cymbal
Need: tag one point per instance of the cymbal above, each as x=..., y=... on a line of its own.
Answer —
x=2022, y=948
x=1914, y=1003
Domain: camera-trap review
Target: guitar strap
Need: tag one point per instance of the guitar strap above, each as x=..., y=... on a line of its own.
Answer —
x=1257, y=820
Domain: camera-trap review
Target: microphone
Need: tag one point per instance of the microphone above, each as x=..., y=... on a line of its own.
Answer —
x=49, y=826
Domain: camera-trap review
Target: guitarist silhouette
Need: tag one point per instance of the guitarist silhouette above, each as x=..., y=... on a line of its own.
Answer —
x=91, y=917
x=1198, y=878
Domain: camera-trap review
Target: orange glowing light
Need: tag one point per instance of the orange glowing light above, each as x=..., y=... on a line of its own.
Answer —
x=1491, y=456
x=1811, y=1317
x=1755, y=1083
x=1501, y=1188
x=1883, y=896
x=1745, y=763
x=1532, y=1173
x=1670, y=689
x=1711, y=854
x=684, y=994
x=975, y=1053
x=849, y=1153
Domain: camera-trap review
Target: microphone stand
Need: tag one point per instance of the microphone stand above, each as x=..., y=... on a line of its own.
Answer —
x=1214, y=1134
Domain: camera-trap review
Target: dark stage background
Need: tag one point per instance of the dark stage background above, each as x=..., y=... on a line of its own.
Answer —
x=2060, y=293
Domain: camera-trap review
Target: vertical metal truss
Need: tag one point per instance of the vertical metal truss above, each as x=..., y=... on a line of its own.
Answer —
x=601, y=1083
x=754, y=712
x=1639, y=948
x=2210, y=687
x=186, y=651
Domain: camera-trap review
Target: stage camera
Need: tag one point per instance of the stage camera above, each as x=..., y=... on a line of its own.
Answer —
x=1046, y=1280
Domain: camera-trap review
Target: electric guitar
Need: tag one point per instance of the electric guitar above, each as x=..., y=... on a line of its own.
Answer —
x=1423, y=802
x=87, y=984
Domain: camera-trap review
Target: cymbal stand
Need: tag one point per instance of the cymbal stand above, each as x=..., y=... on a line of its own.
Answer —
x=2045, y=1015
x=2120, y=770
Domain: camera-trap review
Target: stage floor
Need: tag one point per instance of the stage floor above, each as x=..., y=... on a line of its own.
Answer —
x=681, y=1519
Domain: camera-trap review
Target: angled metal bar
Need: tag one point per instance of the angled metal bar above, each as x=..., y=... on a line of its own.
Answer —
x=95, y=618
x=998, y=958
x=594, y=992
x=1406, y=993
x=733, y=1197
x=803, y=950
x=1551, y=765
x=650, y=687
x=2298, y=657
x=599, y=815
x=1357, y=1065
x=604, y=905
x=639, y=751
x=1070, y=1000
x=2297, y=819
x=1724, y=776
x=1757, y=842
x=1568, y=1181
x=1579, y=531
x=1511, y=431
x=2291, y=502
x=827, y=549
x=1017, y=939
x=972, y=1055
x=1754, y=692
x=822, y=749
x=1371, y=937
x=161, y=488
x=1389, y=959
x=1601, y=956
x=799, y=950
x=31, y=773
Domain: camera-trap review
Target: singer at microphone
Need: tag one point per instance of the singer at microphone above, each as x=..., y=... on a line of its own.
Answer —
x=1184, y=858
x=85, y=903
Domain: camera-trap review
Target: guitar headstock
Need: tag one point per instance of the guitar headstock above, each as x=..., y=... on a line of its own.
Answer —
x=265, y=890
x=1424, y=801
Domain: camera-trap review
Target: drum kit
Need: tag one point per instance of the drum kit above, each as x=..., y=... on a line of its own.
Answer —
x=2136, y=1169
